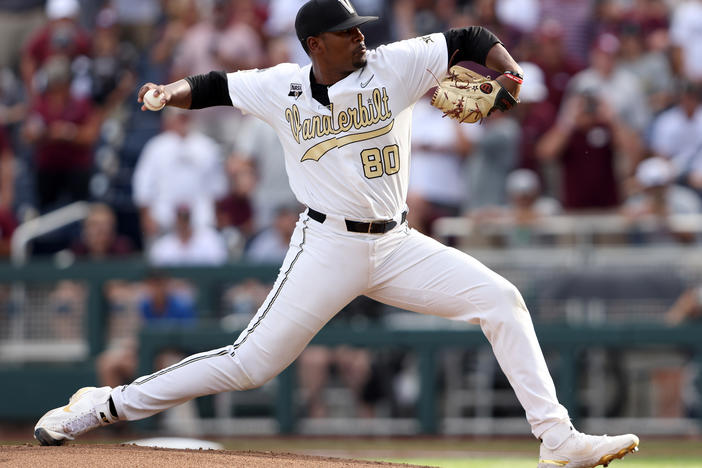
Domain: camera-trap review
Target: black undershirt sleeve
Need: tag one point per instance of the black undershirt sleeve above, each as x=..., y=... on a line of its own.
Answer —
x=469, y=44
x=209, y=90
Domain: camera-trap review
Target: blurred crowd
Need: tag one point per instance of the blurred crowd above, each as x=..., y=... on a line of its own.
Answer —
x=610, y=121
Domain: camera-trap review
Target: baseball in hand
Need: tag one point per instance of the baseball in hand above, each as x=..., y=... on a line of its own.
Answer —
x=153, y=103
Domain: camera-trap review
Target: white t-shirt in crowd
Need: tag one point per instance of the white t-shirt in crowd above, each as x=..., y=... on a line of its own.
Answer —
x=205, y=247
x=686, y=32
x=438, y=176
x=174, y=171
x=675, y=136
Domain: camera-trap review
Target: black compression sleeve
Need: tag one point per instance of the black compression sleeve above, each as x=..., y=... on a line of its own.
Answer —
x=209, y=90
x=472, y=43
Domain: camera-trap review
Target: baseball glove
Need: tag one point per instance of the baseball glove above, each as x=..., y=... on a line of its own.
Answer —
x=468, y=96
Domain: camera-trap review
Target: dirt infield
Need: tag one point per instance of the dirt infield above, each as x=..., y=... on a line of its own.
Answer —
x=120, y=456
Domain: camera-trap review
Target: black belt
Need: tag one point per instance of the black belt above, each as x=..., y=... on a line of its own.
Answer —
x=373, y=227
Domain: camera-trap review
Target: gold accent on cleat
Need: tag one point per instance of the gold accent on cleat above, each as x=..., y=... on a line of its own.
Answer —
x=604, y=461
x=607, y=459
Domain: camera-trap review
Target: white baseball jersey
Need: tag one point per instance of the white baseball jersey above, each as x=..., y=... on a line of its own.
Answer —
x=351, y=159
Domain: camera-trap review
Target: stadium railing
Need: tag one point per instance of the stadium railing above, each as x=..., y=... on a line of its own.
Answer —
x=28, y=363
x=582, y=229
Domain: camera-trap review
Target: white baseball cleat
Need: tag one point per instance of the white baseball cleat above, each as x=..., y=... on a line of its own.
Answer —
x=87, y=409
x=587, y=451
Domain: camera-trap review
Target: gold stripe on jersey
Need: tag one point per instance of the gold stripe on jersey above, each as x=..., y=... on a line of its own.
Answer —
x=363, y=115
x=320, y=149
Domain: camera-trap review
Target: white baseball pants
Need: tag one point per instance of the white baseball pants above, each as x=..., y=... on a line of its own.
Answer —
x=325, y=268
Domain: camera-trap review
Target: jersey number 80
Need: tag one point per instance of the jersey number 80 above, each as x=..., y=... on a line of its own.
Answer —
x=377, y=162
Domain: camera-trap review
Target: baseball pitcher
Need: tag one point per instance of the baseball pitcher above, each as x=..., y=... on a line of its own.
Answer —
x=344, y=123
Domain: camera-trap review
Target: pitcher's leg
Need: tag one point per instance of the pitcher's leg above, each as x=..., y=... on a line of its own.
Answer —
x=309, y=291
x=425, y=276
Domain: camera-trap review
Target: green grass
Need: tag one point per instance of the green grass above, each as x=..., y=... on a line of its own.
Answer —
x=521, y=462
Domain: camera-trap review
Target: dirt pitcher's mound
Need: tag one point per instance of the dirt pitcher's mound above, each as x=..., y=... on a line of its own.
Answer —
x=121, y=456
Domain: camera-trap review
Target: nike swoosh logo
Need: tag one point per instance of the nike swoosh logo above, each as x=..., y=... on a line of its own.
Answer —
x=363, y=85
x=75, y=399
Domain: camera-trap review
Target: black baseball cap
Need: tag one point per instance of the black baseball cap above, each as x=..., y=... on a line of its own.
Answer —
x=318, y=16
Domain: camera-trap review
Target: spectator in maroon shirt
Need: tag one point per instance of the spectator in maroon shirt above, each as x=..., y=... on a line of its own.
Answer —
x=62, y=35
x=553, y=59
x=8, y=224
x=234, y=210
x=586, y=140
x=7, y=175
x=7, y=172
x=536, y=114
x=63, y=129
x=99, y=238
x=650, y=15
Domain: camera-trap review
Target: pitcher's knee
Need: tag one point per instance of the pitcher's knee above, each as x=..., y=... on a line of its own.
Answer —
x=258, y=380
x=503, y=296
x=242, y=378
